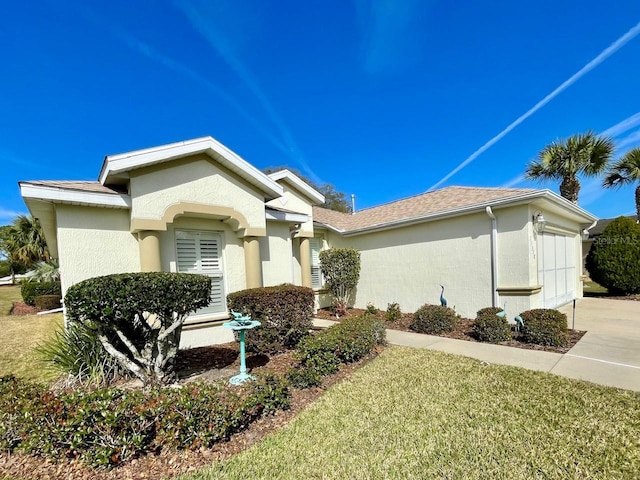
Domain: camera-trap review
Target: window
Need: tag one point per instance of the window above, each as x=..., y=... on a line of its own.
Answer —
x=201, y=252
x=317, y=281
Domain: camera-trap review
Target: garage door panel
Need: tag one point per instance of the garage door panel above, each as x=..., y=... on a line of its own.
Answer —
x=557, y=268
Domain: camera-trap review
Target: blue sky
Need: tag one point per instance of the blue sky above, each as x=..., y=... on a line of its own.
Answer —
x=383, y=99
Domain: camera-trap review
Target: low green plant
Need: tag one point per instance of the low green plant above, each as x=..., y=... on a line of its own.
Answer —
x=545, y=326
x=372, y=309
x=488, y=311
x=434, y=319
x=48, y=302
x=107, y=427
x=76, y=352
x=285, y=313
x=304, y=377
x=345, y=342
x=491, y=328
x=31, y=290
x=393, y=312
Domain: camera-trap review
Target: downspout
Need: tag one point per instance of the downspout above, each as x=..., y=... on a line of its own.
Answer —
x=494, y=257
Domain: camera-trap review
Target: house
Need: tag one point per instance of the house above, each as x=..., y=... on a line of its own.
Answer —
x=196, y=206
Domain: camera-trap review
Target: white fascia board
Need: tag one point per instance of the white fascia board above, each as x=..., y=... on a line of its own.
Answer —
x=114, y=164
x=286, y=216
x=304, y=187
x=509, y=201
x=55, y=194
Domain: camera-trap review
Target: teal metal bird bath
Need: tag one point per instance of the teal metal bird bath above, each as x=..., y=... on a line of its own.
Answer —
x=241, y=324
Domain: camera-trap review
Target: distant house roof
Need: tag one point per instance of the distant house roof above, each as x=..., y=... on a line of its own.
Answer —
x=431, y=205
x=603, y=223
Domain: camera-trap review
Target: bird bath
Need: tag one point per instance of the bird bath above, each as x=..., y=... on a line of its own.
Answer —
x=241, y=324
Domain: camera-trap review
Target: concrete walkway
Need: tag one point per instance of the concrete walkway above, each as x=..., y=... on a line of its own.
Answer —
x=609, y=354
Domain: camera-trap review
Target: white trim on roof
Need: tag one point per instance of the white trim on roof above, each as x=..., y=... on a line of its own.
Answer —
x=301, y=185
x=124, y=162
x=281, y=216
x=57, y=194
x=506, y=201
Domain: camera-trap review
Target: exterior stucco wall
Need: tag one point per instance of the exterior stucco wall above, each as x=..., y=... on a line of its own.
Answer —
x=407, y=265
x=293, y=201
x=276, y=255
x=195, y=180
x=94, y=242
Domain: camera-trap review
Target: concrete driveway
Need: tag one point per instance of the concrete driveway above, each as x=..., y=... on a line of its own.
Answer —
x=609, y=353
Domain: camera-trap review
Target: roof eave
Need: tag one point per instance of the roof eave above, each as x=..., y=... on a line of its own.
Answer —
x=118, y=164
x=61, y=195
x=311, y=193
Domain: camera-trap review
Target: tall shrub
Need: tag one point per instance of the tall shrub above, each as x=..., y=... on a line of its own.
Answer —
x=138, y=317
x=285, y=313
x=341, y=270
x=614, y=258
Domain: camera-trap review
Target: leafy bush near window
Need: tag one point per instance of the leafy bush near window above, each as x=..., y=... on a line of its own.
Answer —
x=31, y=290
x=341, y=270
x=488, y=311
x=345, y=342
x=285, y=313
x=393, y=312
x=76, y=352
x=545, y=326
x=434, y=319
x=372, y=309
x=138, y=317
x=109, y=426
x=614, y=258
x=491, y=328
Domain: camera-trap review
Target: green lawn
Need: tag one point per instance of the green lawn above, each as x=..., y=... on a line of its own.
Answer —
x=423, y=414
x=593, y=289
x=19, y=336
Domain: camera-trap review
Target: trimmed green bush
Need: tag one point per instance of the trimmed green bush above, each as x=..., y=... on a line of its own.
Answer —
x=393, y=312
x=285, y=313
x=31, y=290
x=614, y=258
x=138, y=317
x=341, y=271
x=345, y=342
x=48, y=302
x=545, y=326
x=488, y=311
x=109, y=426
x=434, y=319
x=491, y=328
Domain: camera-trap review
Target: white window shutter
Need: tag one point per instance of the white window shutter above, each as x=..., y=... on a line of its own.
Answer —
x=316, y=274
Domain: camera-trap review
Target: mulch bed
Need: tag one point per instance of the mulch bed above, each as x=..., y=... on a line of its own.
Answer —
x=203, y=363
x=463, y=330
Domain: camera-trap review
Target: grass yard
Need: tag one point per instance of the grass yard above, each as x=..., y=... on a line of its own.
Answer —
x=593, y=289
x=423, y=414
x=19, y=337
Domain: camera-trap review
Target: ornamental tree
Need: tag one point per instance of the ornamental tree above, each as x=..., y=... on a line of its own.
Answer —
x=138, y=317
x=341, y=270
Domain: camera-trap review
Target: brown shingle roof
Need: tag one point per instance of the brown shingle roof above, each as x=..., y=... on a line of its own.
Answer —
x=87, y=186
x=429, y=203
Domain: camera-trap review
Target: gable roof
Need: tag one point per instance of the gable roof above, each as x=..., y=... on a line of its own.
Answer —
x=119, y=166
x=431, y=205
x=302, y=186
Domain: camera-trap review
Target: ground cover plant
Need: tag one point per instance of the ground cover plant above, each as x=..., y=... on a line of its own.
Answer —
x=452, y=417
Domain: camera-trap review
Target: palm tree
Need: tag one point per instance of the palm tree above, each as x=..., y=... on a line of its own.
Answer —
x=584, y=154
x=27, y=236
x=626, y=171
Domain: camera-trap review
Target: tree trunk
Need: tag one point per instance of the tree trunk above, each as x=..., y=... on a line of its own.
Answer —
x=638, y=203
x=569, y=188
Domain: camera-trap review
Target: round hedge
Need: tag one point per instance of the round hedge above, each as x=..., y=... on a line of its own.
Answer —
x=488, y=311
x=545, y=326
x=434, y=319
x=491, y=328
x=614, y=258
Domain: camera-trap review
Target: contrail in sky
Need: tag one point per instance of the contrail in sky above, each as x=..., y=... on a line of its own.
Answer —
x=606, y=53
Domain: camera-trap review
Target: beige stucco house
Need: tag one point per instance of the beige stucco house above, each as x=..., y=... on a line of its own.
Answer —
x=196, y=206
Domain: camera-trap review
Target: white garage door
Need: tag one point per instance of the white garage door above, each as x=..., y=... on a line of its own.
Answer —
x=557, y=269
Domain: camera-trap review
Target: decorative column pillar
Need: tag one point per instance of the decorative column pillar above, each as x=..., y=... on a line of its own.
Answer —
x=305, y=261
x=253, y=266
x=149, y=245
